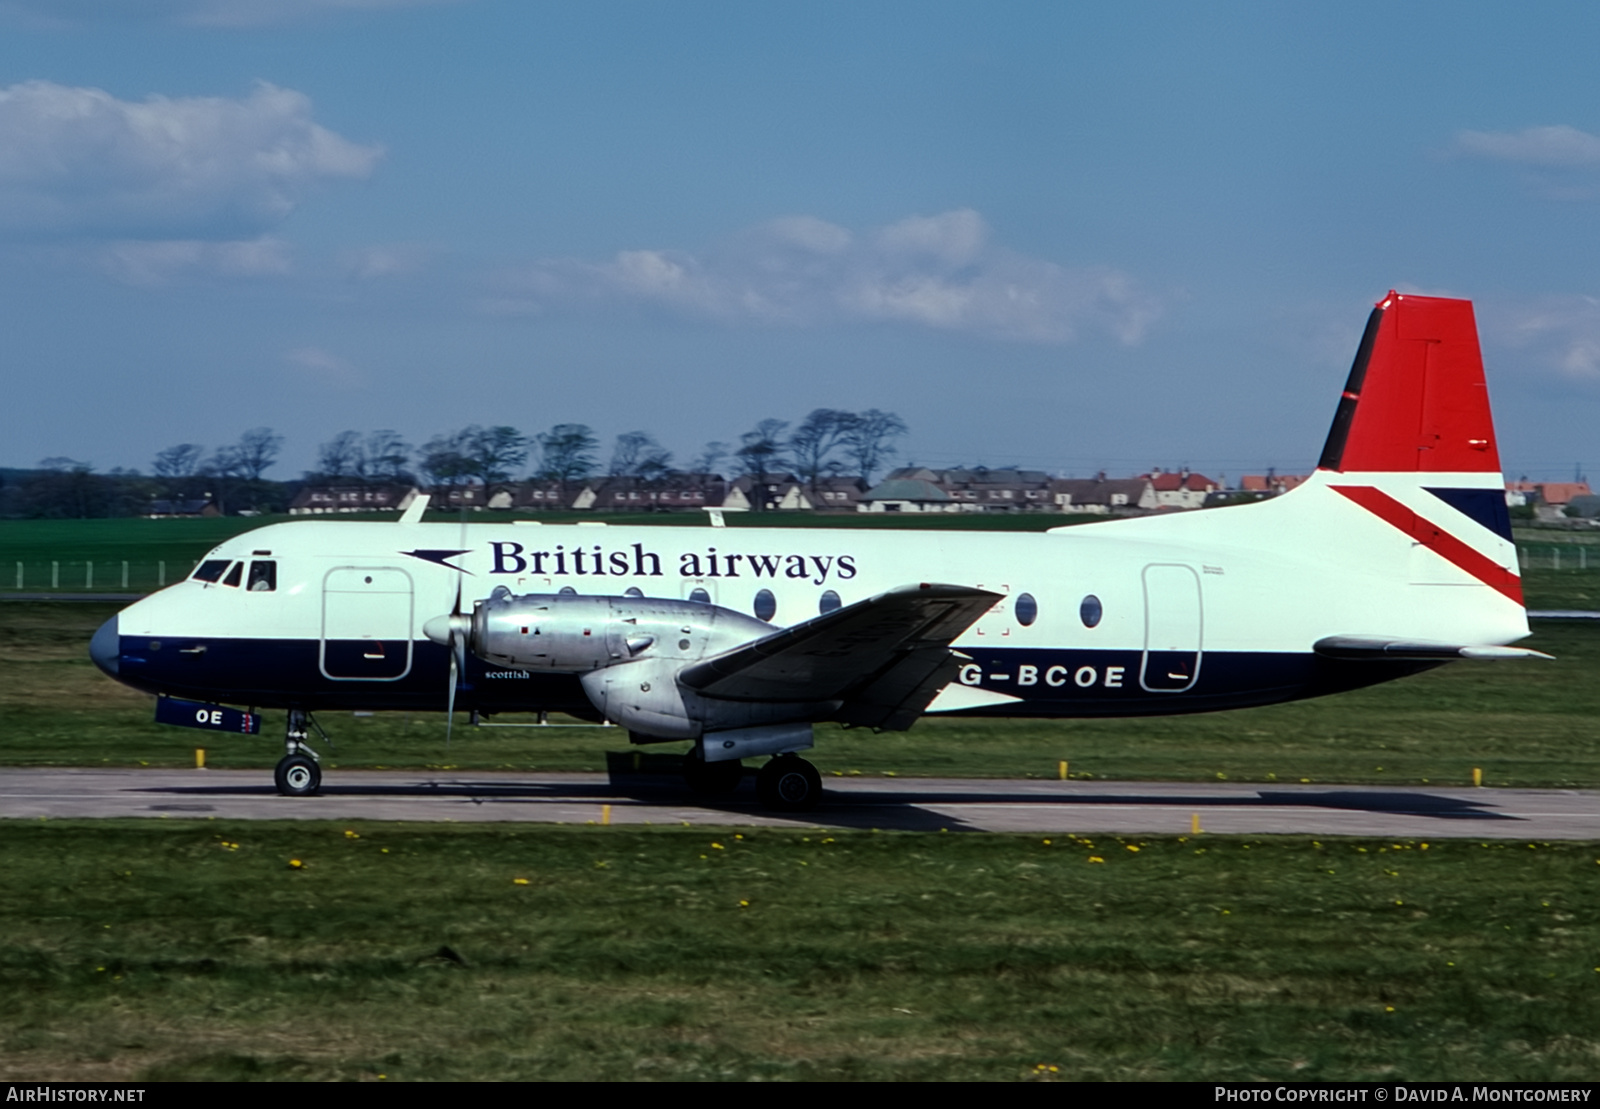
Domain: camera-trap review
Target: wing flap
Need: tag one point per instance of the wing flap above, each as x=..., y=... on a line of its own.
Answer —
x=900, y=639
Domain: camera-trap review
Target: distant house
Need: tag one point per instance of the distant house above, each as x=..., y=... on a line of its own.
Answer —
x=1180, y=488
x=1558, y=493
x=842, y=494
x=167, y=510
x=1270, y=484
x=1103, y=496
x=908, y=494
x=767, y=493
x=672, y=491
x=317, y=500
x=960, y=490
x=540, y=496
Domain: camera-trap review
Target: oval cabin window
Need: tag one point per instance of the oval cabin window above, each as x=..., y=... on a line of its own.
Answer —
x=1027, y=609
x=766, y=605
x=1090, y=611
x=828, y=602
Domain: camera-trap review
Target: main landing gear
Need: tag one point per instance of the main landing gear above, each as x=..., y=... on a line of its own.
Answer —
x=298, y=773
x=787, y=783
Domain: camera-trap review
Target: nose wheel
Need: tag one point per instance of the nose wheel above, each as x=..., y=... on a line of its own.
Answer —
x=789, y=784
x=297, y=773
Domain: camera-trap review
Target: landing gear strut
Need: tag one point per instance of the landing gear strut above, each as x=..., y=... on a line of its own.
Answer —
x=789, y=784
x=297, y=773
x=711, y=779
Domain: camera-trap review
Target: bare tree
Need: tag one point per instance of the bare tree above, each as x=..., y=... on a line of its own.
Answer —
x=340, y=457
x=710, y=459
x=567, y=453
x=444, y=463
x=761, y=450
x=384, y=457
x=257, y=449
x=493, y=454
x=176, y=466
x=870, y=442
x=637, y=454
x=813, y=443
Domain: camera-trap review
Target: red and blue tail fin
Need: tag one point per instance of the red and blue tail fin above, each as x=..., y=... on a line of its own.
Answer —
x=1416, y=404
x=1416, y=401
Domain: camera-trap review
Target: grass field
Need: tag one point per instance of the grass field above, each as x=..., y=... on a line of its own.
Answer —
x=197, y=950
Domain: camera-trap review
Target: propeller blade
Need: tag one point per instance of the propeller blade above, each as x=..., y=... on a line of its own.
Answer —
x=450, y=700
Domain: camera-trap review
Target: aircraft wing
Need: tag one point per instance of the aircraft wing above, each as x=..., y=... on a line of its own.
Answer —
x=1359, y=648
x=885, y=658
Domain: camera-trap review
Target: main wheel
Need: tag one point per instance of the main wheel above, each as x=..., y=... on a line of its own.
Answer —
x=297, y=776
x=789, y=784
x=711, y=779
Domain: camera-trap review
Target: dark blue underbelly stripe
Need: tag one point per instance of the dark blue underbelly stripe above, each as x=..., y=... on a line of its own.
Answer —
x=286, y=673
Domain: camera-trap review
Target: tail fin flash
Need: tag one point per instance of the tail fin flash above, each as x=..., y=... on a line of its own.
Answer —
x=1413, y=442
x=1416, y=401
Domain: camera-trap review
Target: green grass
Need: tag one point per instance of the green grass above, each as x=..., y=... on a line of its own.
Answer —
x=194, y=950
x=1523, y=723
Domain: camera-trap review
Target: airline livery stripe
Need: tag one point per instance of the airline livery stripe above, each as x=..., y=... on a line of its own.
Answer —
x=1441, y=542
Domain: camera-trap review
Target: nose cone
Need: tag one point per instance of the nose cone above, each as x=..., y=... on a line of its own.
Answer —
x=106, y=647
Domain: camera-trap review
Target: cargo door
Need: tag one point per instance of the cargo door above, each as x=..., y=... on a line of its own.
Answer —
x=366, y=623
x=1172, y=628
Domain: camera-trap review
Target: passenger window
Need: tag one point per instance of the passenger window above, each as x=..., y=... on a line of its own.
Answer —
x=828, y=602
x=263, y=576
x=234, y=575
x=700, y=596
x=211, y=570
x=1027, y=609
x=766, y=605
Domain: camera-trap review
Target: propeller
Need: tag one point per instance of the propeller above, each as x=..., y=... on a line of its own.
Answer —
x=452, y=631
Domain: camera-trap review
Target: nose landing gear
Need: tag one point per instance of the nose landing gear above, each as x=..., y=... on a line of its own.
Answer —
x=298, y=774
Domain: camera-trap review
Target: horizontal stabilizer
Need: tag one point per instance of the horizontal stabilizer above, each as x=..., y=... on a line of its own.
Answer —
x=1358, y=648
x=901, y=637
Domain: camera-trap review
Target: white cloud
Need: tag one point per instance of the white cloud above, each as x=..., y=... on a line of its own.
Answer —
x=158, y=262
x=1559, y=334
x=931, y=271
x=198, y=13
x=78, y=161
x=321, y=368
x=371, y=263
x=1559, y=146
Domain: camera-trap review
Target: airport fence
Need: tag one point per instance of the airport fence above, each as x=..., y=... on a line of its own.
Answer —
x=86, y=575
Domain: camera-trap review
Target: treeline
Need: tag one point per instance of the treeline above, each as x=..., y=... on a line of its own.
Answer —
x=827, y=442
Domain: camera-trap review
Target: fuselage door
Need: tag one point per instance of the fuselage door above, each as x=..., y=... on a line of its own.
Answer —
x=1172, y=628
x=366, y=623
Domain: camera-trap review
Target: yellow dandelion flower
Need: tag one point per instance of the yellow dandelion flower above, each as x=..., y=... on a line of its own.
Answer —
x=1096, y=859
x=718, y=847
x=519, y=881
x=1132, y=847
x=295, y=864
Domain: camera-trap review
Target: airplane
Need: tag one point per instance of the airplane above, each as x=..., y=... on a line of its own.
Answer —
x=1396, y=556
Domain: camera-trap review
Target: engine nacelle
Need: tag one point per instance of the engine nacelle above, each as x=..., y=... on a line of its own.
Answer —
x=542, y=631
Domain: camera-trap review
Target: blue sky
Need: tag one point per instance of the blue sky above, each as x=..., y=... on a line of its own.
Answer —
x=1064, y=236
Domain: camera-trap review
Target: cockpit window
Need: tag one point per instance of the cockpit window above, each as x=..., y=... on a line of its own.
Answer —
x=263, y=576
x=211, y=569
x=234, y=575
